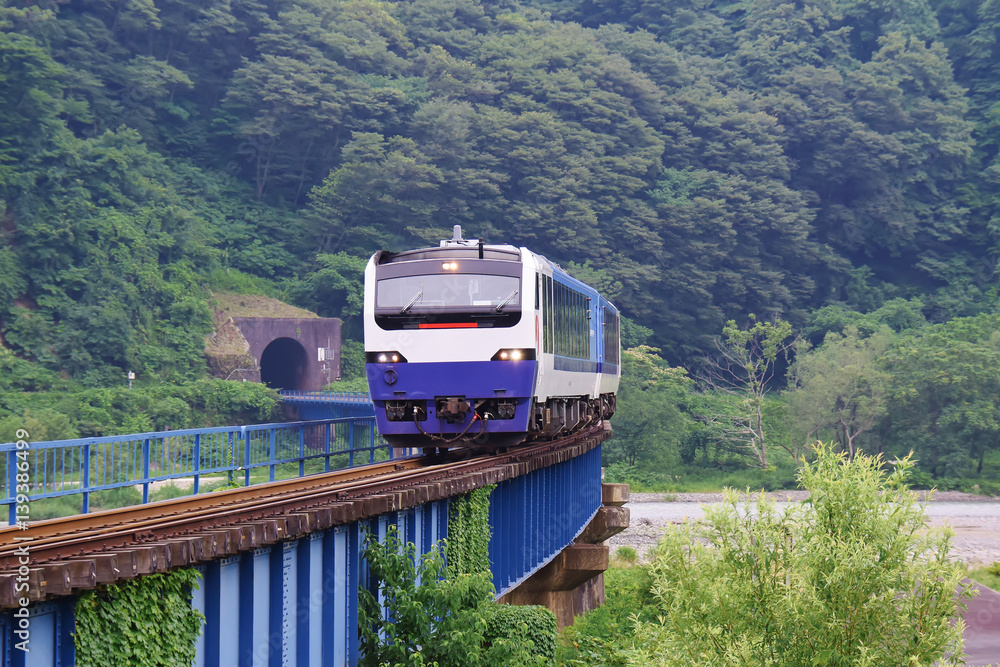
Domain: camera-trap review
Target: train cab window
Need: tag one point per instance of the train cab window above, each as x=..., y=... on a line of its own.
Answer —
x=434, y=293
x=437, y=291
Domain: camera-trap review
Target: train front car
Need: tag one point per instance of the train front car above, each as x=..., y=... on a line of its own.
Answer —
x=450, y=344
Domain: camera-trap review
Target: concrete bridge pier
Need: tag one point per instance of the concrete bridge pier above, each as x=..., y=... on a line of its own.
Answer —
x=573, y=582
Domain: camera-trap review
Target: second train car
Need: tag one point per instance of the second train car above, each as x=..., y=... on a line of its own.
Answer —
x=469, y=344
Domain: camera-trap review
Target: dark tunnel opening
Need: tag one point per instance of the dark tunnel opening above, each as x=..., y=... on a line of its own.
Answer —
x=283, y=364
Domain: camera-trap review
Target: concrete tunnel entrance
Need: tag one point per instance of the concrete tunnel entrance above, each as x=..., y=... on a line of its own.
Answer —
x=283, y=364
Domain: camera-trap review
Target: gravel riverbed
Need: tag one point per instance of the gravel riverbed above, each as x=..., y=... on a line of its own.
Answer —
x=975, y=519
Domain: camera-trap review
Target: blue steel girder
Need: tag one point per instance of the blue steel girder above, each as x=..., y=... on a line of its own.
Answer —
x=295, y=603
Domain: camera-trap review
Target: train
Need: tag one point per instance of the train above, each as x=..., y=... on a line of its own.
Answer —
x=485, y=346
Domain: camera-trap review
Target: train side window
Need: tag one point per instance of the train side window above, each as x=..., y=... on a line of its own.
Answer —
x=579, y=323
x=557, y=318
x=577, y=313
x=563, y=320
x=561, y=326
x=570, y=323
x=552, y=316
x=575, y=330
x=611, y=336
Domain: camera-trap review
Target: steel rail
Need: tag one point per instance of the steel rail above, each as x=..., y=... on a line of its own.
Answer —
x=138, y=516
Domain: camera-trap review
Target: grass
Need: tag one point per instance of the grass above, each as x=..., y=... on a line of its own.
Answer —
x=692, y=479
x=986, y=575
x=595, y=637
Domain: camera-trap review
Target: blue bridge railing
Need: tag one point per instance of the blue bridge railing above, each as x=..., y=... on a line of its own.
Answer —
x=342, y=397
x=228, y=455
x=327, y=404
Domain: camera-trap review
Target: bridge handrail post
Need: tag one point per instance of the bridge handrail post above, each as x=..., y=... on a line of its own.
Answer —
x=230, y=457
x=326, y=445
x=145, y=470
x=12, y=485
x=85, y=506
x=197, y=462
x=350, y=445
x=273, y=451
x=302, y=450
x=246, y=455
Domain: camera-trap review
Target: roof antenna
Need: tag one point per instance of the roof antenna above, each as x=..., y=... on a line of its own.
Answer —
x=457, y=240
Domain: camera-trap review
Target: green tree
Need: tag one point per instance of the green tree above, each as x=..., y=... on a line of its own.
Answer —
x=383, y=186
x=743, y=372
x=841, y=387
x=335, y=289
x=650, y=424
x=945, y=400
x=851, y=577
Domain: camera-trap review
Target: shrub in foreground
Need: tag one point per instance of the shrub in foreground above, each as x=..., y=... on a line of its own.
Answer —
x=850, y=577
x=530, y=626
x=423, y=613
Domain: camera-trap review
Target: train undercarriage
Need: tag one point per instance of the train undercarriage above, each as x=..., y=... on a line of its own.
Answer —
x=548, y=420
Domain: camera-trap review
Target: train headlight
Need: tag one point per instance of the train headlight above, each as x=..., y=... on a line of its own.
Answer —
x=514, y=354
x=450, y=266
x=390, y=357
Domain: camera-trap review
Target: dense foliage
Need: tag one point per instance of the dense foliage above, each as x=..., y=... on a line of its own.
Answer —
x=67, y=410
x=851, y=577
x=467, y=548
x=884, y=382
x=712, y=159
x=421, y=611
x=146, y=622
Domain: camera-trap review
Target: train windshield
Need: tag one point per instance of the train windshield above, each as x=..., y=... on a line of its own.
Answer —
x=475, y=292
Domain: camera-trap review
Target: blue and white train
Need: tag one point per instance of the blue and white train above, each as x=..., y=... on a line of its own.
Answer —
x=485, y=346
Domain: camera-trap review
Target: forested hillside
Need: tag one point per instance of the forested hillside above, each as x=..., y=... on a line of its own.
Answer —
x=697, y=160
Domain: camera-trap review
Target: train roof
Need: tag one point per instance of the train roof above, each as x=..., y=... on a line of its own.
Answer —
x=508, y=253
x=453, y=248
x=460, y=248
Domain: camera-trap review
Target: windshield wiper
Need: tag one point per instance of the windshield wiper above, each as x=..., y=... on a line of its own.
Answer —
x=510, y=297
x=416, y=297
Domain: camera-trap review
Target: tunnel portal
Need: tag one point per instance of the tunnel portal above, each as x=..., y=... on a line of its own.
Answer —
x=283, y=364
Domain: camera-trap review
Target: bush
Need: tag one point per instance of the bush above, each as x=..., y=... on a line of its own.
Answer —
x=627, y=555
x=436, y=622
x=448, y=619
x=850, y=577
x=169, y=492
x=599, y=636
x=109, y=499
x=531, y=627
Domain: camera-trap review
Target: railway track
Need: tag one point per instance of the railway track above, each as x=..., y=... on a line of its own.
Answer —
x=58, y=557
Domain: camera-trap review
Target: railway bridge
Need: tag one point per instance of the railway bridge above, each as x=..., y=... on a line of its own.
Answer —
x=279, y=542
